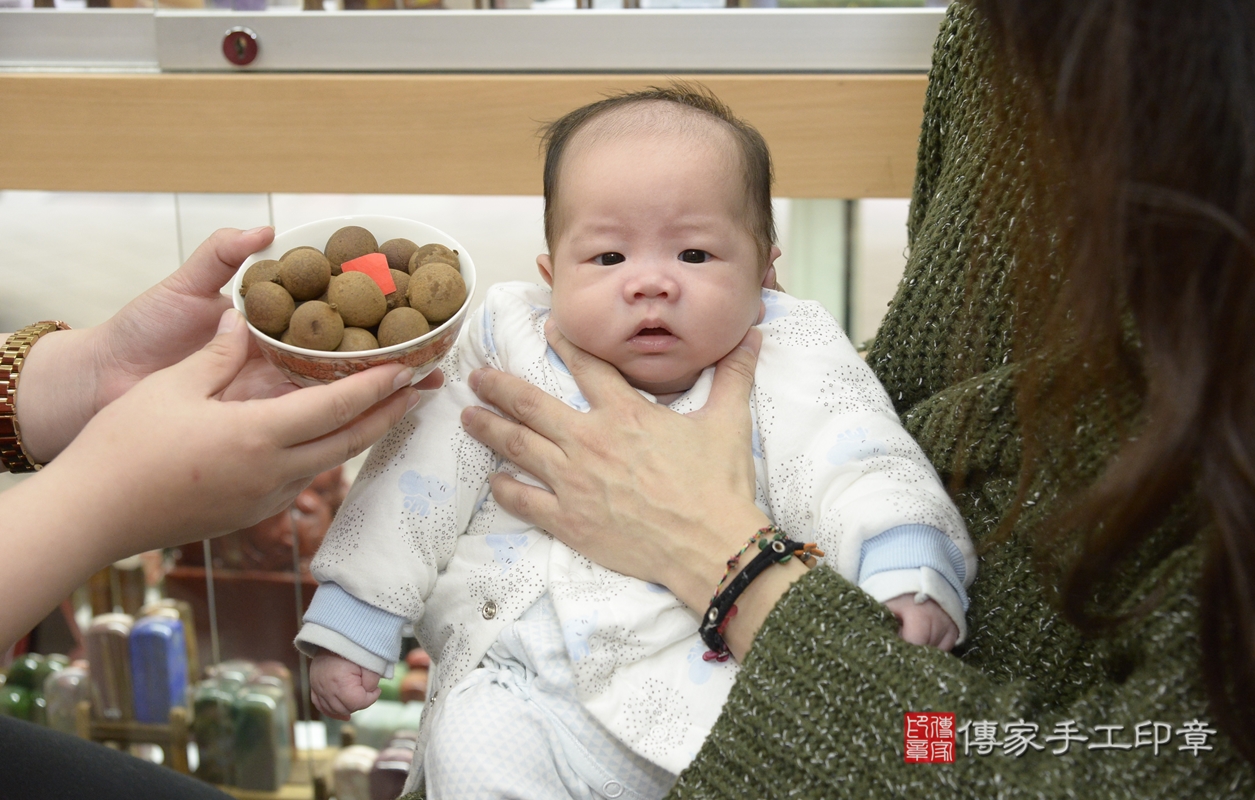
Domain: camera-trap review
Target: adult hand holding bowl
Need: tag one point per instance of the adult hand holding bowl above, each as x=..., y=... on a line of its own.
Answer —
x=372, y=247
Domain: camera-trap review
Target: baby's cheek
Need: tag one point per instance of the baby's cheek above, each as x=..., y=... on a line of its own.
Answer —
x=580, y=326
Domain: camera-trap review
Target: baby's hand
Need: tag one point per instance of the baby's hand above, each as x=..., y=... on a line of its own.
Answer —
x=339, y=687
x=923, y=623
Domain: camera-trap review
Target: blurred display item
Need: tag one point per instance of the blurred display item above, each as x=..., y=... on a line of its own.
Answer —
x=213, y=729
x=64, y=689
x=100, y=591
x=414, y=684
x=409, y=679
x=377, y=725
x=350, y=772
x=243, y=725
x=234, y=673
x=854, y=3
x=393, y=5
x=20, y=692
x=183, y=611
x=388, y=773
x=22, y=671
x=22, y=686
x=277, y=674
x=158, y=666
x=263, y=737
x=118, y=587
x=15, y=701
x=108, y=650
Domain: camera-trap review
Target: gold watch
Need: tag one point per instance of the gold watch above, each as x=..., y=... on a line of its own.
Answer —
x=12, y=355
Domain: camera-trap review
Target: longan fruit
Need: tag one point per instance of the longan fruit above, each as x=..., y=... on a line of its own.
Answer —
x=294, y=249
x=401, y=325
x=316, y=326
x=269, y=307
x=437, y=291
x=305, y=274
x=399, y=298
x=349, y=243
x=357, y=339
x=433, y=252
x=264, y=270
x=358, y=298
x=398, y=252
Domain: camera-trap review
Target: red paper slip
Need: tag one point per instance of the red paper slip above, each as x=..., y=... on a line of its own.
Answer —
x=376, y=266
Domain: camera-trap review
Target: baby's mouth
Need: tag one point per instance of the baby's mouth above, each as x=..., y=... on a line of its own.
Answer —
x=654, y=339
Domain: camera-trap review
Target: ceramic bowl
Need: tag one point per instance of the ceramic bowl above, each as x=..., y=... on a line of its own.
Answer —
x=309, y=367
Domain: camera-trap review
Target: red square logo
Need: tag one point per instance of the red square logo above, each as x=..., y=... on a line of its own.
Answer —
x=928, y=737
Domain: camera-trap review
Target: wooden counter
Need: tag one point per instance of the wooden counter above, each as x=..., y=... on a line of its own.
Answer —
x=844, y=136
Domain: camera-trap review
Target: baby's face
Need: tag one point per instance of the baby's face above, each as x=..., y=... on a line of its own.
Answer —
x=654, y=268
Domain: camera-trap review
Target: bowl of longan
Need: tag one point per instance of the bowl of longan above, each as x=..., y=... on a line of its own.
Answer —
x=338, y=296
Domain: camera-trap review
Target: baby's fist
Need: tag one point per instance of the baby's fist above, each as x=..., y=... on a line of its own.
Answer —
x=339, y=687
x=923, y=623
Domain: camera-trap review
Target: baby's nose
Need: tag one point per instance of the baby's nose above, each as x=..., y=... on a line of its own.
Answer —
x=653, y=282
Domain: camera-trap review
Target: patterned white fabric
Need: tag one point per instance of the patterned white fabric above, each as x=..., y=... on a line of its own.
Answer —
x=420, y=535
x=515, y=728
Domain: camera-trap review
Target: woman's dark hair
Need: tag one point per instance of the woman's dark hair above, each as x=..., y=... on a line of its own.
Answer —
x=755, y=157
x=1141, y=129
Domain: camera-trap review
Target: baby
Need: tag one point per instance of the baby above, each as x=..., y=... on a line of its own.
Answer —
x=552, y=676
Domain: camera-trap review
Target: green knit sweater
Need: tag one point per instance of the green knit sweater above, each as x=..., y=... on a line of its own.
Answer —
x=817, y=711
x=818, y=708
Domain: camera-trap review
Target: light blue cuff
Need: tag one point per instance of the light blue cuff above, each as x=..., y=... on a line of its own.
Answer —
x=911, y=547
x=370, y=628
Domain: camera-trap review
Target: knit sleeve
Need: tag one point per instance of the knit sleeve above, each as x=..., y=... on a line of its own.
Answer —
x=949, y=318
x=818, y=711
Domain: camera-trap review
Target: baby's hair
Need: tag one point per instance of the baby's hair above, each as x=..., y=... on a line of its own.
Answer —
x=755, y=157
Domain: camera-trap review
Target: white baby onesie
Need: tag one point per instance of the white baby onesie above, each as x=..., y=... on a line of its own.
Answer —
x=420, y=537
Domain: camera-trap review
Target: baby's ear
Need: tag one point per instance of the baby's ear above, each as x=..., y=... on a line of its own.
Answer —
x=769, y=276
x=545, y=264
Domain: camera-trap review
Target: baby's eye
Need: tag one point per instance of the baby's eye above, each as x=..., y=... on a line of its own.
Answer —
x=695, y=256
x=609, y=259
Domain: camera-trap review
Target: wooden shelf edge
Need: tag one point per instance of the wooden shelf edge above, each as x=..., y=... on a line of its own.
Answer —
x=831, y=135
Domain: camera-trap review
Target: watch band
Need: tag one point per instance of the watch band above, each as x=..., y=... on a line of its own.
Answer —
x=12, y=356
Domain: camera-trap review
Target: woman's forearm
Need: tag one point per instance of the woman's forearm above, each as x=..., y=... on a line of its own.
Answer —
x=756, y=602
x=69, y=376
x=700, y=558
x=52, y=542
x=56, y=392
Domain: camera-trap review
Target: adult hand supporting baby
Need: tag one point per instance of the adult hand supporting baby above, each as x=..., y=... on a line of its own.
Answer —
x=638, y=488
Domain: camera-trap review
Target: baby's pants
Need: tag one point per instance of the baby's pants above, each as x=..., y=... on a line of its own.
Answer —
x=514, y=728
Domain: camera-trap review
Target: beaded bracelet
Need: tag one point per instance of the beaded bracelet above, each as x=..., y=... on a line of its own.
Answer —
x=776, y=549
x=736, y=559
